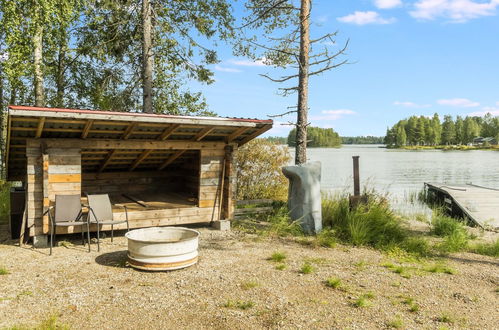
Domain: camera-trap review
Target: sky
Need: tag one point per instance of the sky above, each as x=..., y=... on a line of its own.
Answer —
x=416, y=57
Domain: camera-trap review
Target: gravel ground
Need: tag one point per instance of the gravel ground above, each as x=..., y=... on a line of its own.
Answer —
x=235, y=286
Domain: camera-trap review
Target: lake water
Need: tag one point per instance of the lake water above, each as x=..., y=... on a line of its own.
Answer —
x=401, y=173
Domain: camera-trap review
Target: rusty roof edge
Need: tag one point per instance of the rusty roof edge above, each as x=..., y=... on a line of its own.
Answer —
x=132, y=116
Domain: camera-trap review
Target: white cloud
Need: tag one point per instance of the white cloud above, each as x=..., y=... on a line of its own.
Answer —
x=365, y=17
x=494, y=111
x=333, y=114
x=497, y=103
x=225, y=69
x=322, y=19
x=408, y=104
x=260, y=62
x=458, y=102
x=457, y=11
x=387, y=4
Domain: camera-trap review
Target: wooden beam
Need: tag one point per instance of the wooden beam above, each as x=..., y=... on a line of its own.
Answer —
x=126, y=144
x=203, y=133
x=255, y=134
x=129, y=131
x=107, y=160
x=86, y=129
x=139, y=159
x=168, y=131
x=9, y=124
x=235, y=134
x=171, y=159
x=39, y=129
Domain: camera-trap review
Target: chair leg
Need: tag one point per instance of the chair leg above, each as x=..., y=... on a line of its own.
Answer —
x=82, y=236
x=98, y=239
x=88, y=236
x=51, y=237
x=112, y=232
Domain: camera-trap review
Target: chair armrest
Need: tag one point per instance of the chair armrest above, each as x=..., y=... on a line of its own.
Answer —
x=48, y=210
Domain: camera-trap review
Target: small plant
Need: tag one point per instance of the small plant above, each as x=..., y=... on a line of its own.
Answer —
x=277, y=256
x=281, y=267
x=488, y=249
x=307, y=268
x=361, y=265
x=333, y=282
x=445, y=318
x=326, y=238
x=239, y=304
x=414, y=308
x=362, y=302
x=249, y=285
x=396, y=323
x=3, y=270
x=417, y=246
x=443, y=225
x=455, y=242
x=440, y=268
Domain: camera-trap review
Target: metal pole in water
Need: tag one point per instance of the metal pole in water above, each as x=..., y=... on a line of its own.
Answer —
x=356, y=180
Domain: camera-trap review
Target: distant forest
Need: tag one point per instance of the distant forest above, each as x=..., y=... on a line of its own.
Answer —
x=326, y=138
x=424, y=131
x=317, y=137
x=362, y=139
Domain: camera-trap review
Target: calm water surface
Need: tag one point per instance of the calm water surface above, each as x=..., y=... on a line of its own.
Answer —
x=401, y=173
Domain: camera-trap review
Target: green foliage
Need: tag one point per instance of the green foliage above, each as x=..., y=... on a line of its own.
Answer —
x=443, y=225
x=417, y=246
x=326, y=238
x=277, y=139
x=440, y=268
x=4, y=201
x=396, y=323
x=317, y=137
x=364, y=300
x=249, y=285
x=281, y=267
x=258, y=171
x=362, y=139
x=423, y=131
x=277, y=256
x=372, y=223
x=239, y=304
x=455, y=242
x=3, y=270
x=51, y=323
x=446, y=318
x=307, y=268
x=333, y=282
x=488, y=249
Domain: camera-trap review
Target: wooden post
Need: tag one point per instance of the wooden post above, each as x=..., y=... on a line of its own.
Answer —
x=356, y=180
x=46, y=200
x=228, y=184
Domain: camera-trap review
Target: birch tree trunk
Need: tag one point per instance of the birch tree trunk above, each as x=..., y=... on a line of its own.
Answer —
x=38, y=58
x=147, y=59
x=302, y=116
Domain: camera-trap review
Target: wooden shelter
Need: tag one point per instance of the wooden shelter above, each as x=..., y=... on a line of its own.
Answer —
x=166, y=169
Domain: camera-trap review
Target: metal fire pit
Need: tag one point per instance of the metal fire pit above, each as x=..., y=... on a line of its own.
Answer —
x=162, y=248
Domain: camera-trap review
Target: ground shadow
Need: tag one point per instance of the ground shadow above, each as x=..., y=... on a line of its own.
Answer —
x=117, y=259
x=472, y=261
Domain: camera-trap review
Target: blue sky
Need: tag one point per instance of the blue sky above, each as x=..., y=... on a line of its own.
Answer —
x=408, y=58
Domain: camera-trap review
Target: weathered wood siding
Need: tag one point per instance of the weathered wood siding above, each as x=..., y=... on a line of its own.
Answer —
x=209, y=182
x=126, y=182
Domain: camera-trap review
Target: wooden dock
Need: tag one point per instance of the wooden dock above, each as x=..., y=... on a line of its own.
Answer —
x=479, y=204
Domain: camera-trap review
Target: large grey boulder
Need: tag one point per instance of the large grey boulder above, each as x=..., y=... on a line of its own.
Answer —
x=304, y=198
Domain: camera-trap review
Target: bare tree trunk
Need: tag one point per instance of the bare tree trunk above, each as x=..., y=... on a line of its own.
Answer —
x=302, y=120
x=3, y=113
x=61, y=62
x=147, y=59
x=38, y=57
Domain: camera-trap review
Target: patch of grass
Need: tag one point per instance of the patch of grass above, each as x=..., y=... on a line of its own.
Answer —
x=277, y=256
x=326, y=238
x=239, y=304
x=417, y=246
x=440, y=268
x=24, y=293
x=3, y=270
x=51, y=323
x=396, y=323
x=65, y=244
x=249, y=285
x=360, y=265
x=333, y=282
x=446, y=318
x=443, y=225
x=488, y=249
x=414, y=308
x=281, y=224
x=397, y=269
x=372, y=223
x=281, y=267
x=455, y=242
x=307, y=268
x=364, y=300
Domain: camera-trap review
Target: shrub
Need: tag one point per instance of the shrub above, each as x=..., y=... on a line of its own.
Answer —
x=277, y=256
x=258, y=170
x=443, y=225
x=488, y=249
x=455, y=242
x=333, y=282
x=372, y=223
x=307, y=268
